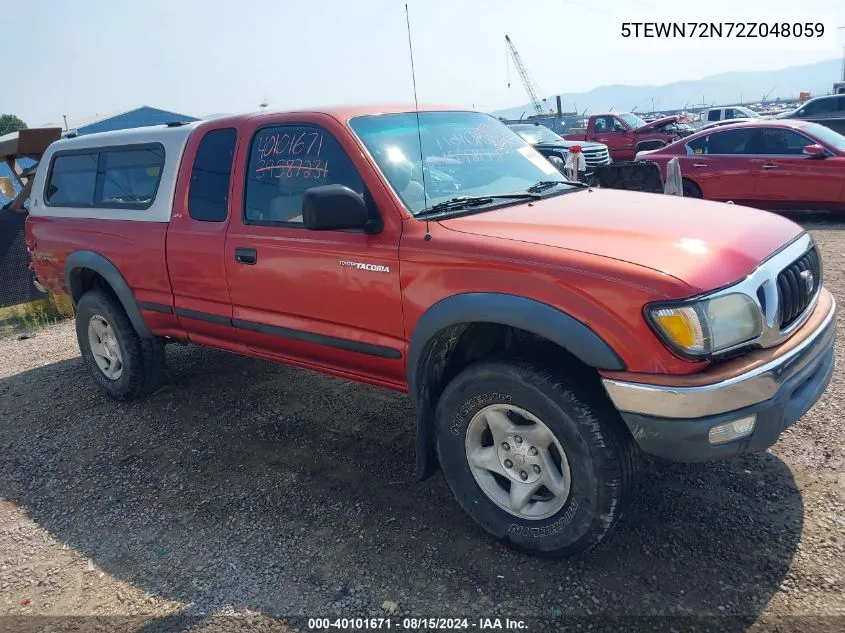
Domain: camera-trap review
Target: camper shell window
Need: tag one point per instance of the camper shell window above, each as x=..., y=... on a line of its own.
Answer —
x=118, y=177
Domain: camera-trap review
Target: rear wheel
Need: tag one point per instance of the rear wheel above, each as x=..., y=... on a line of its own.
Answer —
x=121, y=363
x=691, y=190
x=543, y=465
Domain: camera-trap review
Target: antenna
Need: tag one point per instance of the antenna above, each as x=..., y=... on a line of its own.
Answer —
x=419, y=132
x=508, y=66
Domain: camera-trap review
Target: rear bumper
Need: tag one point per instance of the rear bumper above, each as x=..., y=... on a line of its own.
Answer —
x=674, y=422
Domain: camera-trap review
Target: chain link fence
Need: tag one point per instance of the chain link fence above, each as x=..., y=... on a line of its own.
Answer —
x=16, y=279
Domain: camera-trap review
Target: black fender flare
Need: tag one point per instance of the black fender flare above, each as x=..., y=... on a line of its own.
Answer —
x=503, y=309
x=81, y=260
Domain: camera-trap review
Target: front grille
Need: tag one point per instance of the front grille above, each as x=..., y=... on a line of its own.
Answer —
x=798, y=284
x=595, y=157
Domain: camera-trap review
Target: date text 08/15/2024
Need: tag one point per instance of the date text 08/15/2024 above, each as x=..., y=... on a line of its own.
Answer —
x=413, y=624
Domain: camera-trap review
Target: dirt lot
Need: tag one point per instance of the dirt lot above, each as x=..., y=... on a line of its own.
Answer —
x=249, y=487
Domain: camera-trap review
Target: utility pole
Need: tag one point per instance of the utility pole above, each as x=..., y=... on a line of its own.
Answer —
x=843, y=56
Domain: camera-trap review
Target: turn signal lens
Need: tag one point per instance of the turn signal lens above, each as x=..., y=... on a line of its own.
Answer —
x=682, y=327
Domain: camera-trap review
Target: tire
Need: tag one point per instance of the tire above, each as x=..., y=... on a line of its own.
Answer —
x=601, y=457
x=691, y=190
x=134, y=366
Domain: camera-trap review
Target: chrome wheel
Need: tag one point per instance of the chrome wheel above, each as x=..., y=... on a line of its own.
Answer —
x=104, y=347
x=517, y=461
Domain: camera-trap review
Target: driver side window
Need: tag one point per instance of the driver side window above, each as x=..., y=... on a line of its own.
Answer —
x=780, y=141
x=284, y=162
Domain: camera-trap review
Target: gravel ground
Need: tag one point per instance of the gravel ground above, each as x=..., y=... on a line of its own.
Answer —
x=260, y=491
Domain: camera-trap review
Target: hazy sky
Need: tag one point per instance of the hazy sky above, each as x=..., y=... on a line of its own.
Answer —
x=85, y=57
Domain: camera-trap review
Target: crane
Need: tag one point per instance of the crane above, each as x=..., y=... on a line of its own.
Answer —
x=530, y=87
x=766, y=96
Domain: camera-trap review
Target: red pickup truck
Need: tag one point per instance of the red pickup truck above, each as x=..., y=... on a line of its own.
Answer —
x=548, y=333
x=625, y=133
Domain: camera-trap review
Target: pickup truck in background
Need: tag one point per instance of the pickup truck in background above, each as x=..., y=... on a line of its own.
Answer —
x=553, y=146
x=713, y=115
x=547, y=333
x=828, y=110
x=625, y=133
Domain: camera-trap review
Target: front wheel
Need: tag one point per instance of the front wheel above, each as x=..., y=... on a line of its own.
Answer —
x=542, y=465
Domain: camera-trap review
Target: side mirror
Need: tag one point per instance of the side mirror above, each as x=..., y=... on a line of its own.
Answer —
x=557, y=161
x=334, y=208
x=814, y=151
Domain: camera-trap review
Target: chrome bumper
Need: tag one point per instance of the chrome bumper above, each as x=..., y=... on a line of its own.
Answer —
x=756, y=386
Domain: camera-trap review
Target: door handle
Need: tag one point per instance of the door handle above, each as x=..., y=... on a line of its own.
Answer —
x=699, y=164
x=248, y=256
x=770, y=166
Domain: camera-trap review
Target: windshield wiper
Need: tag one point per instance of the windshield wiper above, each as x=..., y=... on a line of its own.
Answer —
x=464, y=202
x=548, y=184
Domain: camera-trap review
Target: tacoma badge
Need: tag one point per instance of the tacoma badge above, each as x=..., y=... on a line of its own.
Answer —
x=376, y=268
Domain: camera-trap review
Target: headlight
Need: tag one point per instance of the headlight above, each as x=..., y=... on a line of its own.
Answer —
x=708, y=326
x=557, y=161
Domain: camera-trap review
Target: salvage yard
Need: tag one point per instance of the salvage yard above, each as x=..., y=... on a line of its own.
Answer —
x=247, y=486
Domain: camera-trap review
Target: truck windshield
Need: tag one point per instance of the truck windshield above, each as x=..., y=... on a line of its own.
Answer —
x=632, y=120
x=536, y=133
x=463, y=154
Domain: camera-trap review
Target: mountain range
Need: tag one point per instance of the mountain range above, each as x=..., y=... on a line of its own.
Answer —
x=722, y=89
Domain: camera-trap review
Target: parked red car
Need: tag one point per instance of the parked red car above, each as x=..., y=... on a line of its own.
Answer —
x=768, y=164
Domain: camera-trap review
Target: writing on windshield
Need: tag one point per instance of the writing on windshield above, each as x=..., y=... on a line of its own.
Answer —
x=479, y=143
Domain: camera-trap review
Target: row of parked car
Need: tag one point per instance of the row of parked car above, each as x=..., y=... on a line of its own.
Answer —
x=772, y=163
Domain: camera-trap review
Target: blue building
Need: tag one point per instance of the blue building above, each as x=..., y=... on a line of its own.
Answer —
x=139, y=117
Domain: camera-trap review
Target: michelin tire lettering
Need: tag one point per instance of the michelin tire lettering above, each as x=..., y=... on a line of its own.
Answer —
x=484, y=398
x=548, y=530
